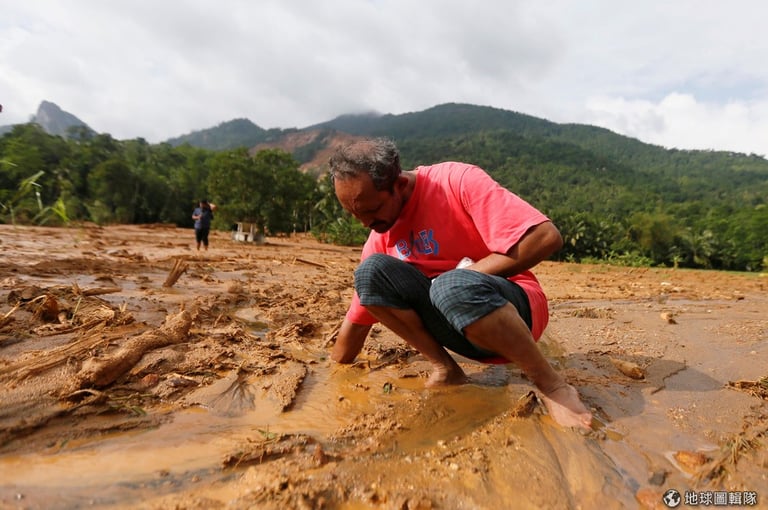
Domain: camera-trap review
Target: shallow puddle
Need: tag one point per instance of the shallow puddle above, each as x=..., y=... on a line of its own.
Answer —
x=194, y=443
x=120, y=467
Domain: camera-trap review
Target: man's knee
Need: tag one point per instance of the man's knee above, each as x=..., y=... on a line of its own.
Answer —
x=373, y=268
x=395, y=282
x=373, y=272
x=450, y=289
x=375, y=263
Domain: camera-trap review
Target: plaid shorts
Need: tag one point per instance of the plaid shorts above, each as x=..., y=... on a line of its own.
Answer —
x=446, y=304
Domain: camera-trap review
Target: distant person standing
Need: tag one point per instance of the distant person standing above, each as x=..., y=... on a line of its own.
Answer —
x=203, y=214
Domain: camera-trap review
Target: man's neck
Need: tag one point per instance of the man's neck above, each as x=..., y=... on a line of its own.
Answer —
x=411, y=176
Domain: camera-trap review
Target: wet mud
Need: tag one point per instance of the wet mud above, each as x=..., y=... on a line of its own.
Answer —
x=136, y=372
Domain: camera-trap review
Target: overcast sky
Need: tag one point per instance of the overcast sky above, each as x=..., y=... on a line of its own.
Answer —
x=691, y=74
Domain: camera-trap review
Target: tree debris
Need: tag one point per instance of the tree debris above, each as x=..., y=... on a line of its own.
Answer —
x=311, y=263
x=178, y=269
x=100, y=372
x=757, y=388
x=525, y=405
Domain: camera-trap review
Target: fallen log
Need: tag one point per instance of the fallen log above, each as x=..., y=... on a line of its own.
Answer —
x=100, y=372
x=46, y=360
x=178, y=269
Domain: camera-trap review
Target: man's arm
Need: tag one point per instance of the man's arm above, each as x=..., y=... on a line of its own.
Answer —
x=535, y=246
x=349, y=341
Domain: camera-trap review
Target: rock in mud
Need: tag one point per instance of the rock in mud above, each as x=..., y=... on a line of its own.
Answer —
x=629, y=368
x=690, y=462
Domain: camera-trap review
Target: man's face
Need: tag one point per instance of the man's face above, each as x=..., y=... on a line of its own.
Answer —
x=377, y=210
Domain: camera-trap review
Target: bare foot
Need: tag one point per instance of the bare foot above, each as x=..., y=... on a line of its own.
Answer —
x=445, y=376
x=566, y=408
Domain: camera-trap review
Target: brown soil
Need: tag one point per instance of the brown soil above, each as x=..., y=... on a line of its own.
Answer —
x=136, y=372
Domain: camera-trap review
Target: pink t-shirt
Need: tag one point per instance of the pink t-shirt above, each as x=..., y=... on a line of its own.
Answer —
x=457, y=210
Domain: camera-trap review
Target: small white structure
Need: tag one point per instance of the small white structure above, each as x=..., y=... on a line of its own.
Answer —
x=248, y=233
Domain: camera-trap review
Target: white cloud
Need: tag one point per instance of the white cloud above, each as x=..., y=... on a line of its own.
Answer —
x=672, y=73
x=680, y=121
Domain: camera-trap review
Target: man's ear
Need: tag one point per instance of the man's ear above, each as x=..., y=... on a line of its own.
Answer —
x=401, y=183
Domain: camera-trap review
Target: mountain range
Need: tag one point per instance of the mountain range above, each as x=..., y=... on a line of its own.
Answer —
x=311, y=145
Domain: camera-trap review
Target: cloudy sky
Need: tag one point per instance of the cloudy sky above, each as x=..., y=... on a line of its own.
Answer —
x=691, y=74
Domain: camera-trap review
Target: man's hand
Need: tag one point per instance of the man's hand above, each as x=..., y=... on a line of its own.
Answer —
x=349, y=341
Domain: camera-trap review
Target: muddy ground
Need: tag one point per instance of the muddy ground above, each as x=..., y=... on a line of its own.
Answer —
x=136, y=372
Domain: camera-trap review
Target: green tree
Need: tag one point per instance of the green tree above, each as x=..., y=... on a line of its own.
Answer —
x=654, y=234
x=236, y=187
x=114, y=192
x=267, y=189
x=332, y=223
x=28, y=188
x=286, y=206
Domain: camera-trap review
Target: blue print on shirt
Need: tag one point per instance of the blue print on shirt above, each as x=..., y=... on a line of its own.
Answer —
x=403, y=251
x=423, y=244
x=426, y=244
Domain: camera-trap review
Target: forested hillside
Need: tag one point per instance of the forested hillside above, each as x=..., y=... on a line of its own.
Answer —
x=227, y=135
x=614, y=198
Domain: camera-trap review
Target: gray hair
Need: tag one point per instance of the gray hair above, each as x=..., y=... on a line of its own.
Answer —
x=378, y=157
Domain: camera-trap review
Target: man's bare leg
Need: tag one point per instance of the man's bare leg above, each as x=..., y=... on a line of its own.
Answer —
x=408, y=325
x=503, y=331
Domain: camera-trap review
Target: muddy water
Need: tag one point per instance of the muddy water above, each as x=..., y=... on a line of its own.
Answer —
x=120, y=469
x=195, y=439
x=192, y=445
